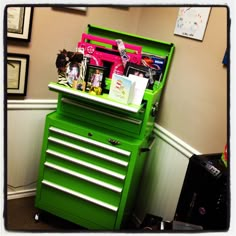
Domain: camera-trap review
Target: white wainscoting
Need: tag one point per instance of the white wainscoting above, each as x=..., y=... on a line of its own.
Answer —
x=162, y=178
x=25, y=125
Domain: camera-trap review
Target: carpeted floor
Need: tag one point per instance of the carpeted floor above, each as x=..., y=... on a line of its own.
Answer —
x=20, y=217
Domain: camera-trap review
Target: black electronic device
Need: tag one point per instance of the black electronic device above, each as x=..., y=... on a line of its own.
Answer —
x=204, y=199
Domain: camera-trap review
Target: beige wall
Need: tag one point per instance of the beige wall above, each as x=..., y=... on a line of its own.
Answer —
x=54, y=29
x=193, y=105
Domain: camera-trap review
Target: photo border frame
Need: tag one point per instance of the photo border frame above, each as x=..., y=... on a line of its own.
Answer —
x=130, y=68
x=23, y=60
x=27, y=26
x=93, y=67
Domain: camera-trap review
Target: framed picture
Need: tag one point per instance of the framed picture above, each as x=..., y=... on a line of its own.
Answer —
x=17, y=73
x=19, y=23
x=78, y=8
x=71, y=9
x=143, y=71
x=95, y=79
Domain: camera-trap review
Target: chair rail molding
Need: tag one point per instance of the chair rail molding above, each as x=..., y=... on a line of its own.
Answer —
x=174, y=141
x=32, y=104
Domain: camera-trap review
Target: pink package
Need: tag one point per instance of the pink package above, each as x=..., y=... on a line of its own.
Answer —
x=105, y=52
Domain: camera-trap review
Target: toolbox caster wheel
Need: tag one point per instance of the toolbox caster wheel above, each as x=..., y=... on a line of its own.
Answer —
x=36, y=217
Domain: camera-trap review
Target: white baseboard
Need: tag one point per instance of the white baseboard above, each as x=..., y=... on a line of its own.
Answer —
x=21, y=194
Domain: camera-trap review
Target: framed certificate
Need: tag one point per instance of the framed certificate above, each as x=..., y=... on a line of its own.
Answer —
x=19, y=23
x=17, y=73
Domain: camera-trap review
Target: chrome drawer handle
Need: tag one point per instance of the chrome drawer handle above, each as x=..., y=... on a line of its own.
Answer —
x=86, y=164
x=147, y=149
x=90, y=141
x=80, y=195
x=84, y=177
x=88, y=151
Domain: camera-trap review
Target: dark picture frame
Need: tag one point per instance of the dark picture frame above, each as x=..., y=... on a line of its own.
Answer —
x=17, y=73
x=78, y=8
x=95, y=79
x=143, y=71
x=19, y=23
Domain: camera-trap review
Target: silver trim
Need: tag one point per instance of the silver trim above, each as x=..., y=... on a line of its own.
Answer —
x=90, y=141
x=83, y=177
x=88, y=151
x=86, y=164
x=120, y=117
x=81, y=196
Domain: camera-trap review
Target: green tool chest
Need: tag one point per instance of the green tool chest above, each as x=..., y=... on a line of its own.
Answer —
x=94, y=149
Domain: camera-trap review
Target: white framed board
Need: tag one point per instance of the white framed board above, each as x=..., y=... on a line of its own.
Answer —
x=192, y=21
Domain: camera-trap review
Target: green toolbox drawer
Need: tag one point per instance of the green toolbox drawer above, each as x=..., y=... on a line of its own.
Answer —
x=82, y=184
x=76, y=207
x=98, y=110
x=117, y=121
x=87, y=167
x=88, y=145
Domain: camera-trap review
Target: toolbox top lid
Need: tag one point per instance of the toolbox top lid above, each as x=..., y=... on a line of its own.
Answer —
x=149, y=45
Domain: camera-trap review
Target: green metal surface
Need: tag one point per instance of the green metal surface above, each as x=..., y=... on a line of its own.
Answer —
x=76, y=184
x=93, y=153
x=149, y=45
x=76, y=210
x=137, y=125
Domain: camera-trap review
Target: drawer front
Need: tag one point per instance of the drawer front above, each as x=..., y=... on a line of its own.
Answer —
x=77, y=205
x=120, y=122
x=77, y=164
x=106, y=193
x=78, y=154
x=98, y=151
x=80, y=162
x=89, y=172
